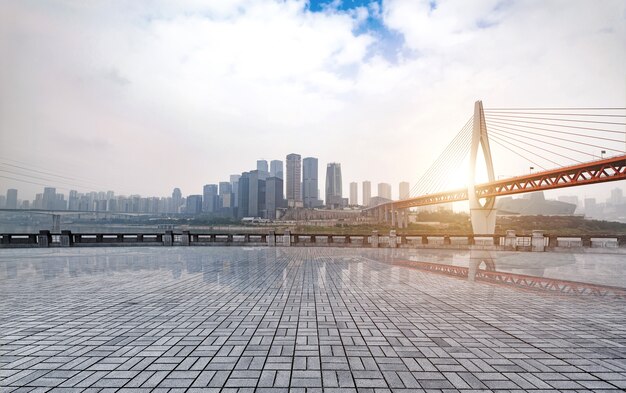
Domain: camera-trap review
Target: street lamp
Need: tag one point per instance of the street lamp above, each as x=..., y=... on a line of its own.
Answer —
x=531, y=169
x=602, y=153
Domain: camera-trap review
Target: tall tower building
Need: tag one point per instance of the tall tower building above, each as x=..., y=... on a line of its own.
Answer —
x=333, y=185
x=404, y=190
x=354, y=193
x=384, y=190
x=177, y=198
x=49, y=198
x=294, y=180
x=367, y=192
x=11, y=202
x=234, y=183
x=225, y=195
x=209, y=198
x=243, y=195
x=261, y=166
x=309, y=182
x=276, y=169
x=273, y=196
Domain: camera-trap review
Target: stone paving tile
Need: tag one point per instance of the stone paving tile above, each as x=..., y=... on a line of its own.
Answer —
x=290, y=320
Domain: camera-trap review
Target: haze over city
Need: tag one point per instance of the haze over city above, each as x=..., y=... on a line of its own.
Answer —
x=143, y=97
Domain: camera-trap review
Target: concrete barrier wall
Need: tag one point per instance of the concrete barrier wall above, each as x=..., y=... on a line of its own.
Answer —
x=538, y=241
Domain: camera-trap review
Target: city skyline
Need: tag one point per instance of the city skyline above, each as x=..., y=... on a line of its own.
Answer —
x=372, y=73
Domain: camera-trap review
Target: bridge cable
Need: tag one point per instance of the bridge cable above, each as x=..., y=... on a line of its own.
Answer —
x=503, y=135
x=425, y=178
x=528, y=151
x=553, y=119
x=553, y=131
x=558, y=125
x=504, y=132
x=519, y=154
x=556, y=114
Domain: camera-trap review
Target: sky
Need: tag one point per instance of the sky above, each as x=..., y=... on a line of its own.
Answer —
x=140, y=97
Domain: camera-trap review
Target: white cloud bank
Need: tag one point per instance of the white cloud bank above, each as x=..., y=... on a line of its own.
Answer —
x=141, y=97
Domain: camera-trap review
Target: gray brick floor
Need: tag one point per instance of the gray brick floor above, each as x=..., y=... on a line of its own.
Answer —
x=300, y=320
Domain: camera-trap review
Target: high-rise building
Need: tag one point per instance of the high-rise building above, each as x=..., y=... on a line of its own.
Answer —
x=209, y=198
x=367, y=192
x=225, y=195
x=11, y=201
x=49, y=198
x=3, y=202
x=276, y=169
x=194, y=204
x=234, y=183
x=72, y=203
x=253, y=194
x=354, y=193
x=333, y=186
x=404, y=190
x=384, y=190
x=617, y=197
x=261, y=166
x=273, y=196
x=177, y=198
x=309, y=182
x=243, y=185
x=294, y=180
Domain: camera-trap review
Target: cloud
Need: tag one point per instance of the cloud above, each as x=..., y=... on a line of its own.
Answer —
x=195, y=91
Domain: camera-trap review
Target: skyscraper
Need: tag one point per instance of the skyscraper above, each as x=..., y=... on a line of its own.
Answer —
x=333, y=185
x=309, y=182
x=273, y=196
x=11, y=202
x=234, y=183
x=49, y=198
x=404, y=190
x=225, y=195
x=243, y=184
x=261, y=166
x=209, y=198
x=354, y=193
x=294, y=180
x=253, y=194
x=276, y=169
x=367, y=192
x=177, y=197
x=384, y=190
x=194, y=204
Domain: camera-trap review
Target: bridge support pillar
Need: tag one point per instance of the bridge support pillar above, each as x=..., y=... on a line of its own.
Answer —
x=375, y=239
x=483, y=221
x=287, y=238
x=56, y=223
x=538, y=241
x=394, y=222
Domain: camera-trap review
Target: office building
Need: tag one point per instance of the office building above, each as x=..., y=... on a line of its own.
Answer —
x=261, y=166
x=254, y=194
x=194, y=204
x=367, y=192
x=334, y=198
x=234, y=183
x=276, y=169
x=354, y=193
x=11, y=201
x=49, y=198
x=294, y=180
x=405, y=191
x=243, y=184
x=384, y=190
x=274, y=198
x=310, y=182
x=225, y=196
x=209, y=198
x=177, y=200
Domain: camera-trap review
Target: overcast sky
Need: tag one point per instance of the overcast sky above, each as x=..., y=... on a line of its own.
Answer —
x=144, y=96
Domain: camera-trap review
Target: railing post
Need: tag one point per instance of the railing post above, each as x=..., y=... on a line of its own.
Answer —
x=296, y=239
x=66, y=239
x=392, y=239
x=44, y=238
x=331, y=240
x=287, y=238
x=374, y=239
x=246, y=238
x=184, y=238
x=553, y=241
x=348, y=239
x=424, y=239
x=100, y=238
x=470, y=240
x=538, y=241
x=446, y=240
x=510, y=240
x=271, y=239
x=6, y=239
x=586, y=240
x=140, y=238
x=168, y=238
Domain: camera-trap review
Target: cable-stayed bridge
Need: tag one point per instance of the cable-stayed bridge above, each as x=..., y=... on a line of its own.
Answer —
x=564, y=147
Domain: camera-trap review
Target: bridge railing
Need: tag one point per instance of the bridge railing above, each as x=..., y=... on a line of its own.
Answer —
x=537, y=241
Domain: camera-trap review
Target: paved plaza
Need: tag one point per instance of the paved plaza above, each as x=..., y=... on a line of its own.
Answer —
x=232, y=319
